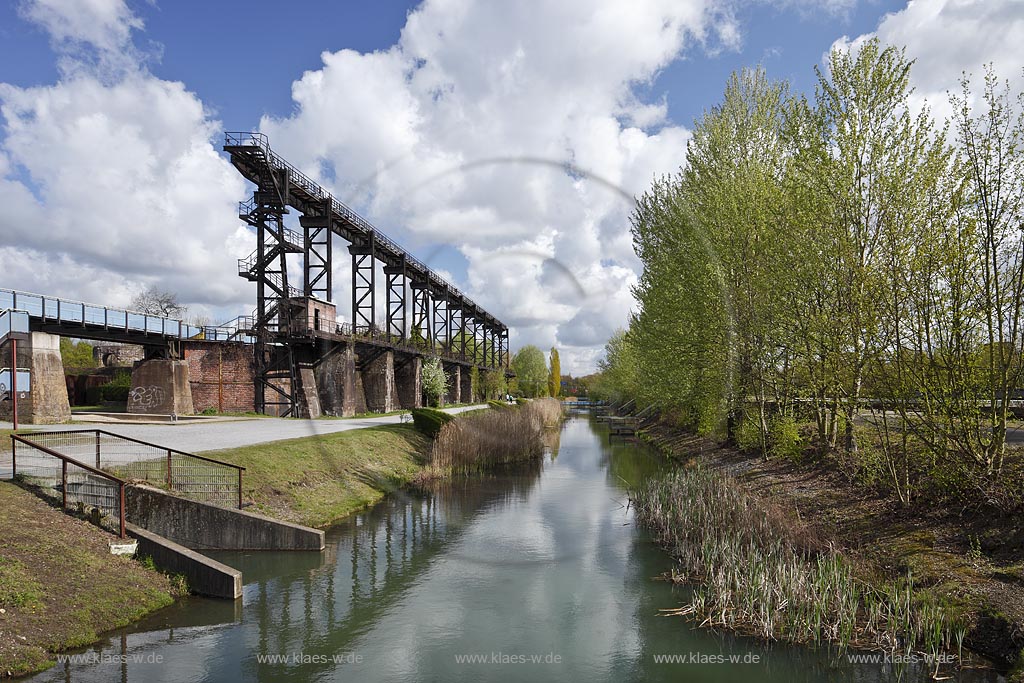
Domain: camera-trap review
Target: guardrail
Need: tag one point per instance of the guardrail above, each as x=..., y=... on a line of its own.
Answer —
x=13, y=322
x=67, y=311
x=75, y=481
x=193, y=476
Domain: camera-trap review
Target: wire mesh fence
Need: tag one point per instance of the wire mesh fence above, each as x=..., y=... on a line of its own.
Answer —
x=193, y=476
x=73, y=483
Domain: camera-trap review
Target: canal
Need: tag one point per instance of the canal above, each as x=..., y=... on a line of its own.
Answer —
x=539, y=575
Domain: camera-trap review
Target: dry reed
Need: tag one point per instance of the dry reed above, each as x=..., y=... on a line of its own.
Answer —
x=493, y=438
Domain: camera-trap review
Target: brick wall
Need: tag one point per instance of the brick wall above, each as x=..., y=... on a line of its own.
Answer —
x=221, y=376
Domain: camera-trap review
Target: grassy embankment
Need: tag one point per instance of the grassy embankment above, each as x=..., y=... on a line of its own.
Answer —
x=779, y=541
x=318, y=480
x=59, y=585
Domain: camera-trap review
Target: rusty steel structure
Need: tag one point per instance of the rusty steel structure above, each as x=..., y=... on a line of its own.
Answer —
x=294, y=324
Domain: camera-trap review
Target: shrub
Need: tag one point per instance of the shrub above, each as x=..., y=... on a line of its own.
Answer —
x=430, y=421
x=521, y=401
x=117, y=389
x=498, y=405
x=784, y=439
x=748, y=435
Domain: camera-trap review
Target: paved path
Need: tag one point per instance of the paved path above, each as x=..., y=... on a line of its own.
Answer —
x=208, y=436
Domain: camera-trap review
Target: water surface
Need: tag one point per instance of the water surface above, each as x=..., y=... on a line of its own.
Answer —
x=540, y=575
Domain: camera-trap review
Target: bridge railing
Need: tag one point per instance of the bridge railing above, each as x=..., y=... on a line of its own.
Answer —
x=66, y=478
x=69, y=312
x=13, y=323
x=193, y=476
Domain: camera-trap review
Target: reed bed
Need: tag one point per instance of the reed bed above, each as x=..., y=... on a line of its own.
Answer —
x=758, y=571
x=493, y=438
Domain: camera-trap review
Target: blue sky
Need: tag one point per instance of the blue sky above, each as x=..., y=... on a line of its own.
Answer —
x=445, y=123
x=215, y=48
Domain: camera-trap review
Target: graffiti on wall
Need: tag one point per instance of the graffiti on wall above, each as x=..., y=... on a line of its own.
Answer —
x=146, y=397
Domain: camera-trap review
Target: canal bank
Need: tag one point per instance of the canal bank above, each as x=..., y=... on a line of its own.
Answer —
x=881, y=543
x=537, y=573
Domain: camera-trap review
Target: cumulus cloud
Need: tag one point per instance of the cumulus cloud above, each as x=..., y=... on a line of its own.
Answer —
x=109, y=177
x=950, y=37
x=513, y=131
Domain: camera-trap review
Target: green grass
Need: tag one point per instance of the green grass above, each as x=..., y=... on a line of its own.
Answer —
x=59, y=585
x=320, y=479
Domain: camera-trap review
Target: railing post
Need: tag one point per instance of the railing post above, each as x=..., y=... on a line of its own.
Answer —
x=64, y=484
x=239, y=489
x=98, y=449
x=14, y=457
x=121, y=495
x=169, y=480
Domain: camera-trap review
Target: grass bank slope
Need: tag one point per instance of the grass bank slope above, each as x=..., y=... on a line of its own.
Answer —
x=320, y=479
x=59, y=585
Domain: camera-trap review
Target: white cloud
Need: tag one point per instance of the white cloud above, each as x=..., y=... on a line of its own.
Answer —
x=949, y=37
x=112, y=176
x=474, y=128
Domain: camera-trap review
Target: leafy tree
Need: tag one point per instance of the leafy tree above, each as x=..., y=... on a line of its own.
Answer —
x=494, y=384
x=531, y=371
x=554, y=374
x=434, y=381
x=76, y=354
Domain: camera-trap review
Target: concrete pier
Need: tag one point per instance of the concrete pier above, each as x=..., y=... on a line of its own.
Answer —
x=160, y=387
x=46, y=400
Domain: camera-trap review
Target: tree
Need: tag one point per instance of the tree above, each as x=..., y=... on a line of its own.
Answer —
x=495, y=384
x=155, y=301
x=434, y=381
x=76, y=355
x=531, y=371
x=555, y=375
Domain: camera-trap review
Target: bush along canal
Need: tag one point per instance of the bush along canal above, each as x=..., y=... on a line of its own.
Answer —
x=538, y=571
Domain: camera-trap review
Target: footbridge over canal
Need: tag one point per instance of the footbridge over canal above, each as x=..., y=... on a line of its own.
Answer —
x=293, y=355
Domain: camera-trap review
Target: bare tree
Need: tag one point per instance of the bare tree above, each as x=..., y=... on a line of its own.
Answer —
x=155, y=301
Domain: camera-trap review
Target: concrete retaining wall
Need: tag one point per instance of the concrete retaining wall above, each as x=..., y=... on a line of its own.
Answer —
x=207, y=527
x=205, y=576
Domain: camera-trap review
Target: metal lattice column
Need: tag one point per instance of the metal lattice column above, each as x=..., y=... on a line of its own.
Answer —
x=454, y=323
x=421, y=311
x=440, y=324
x=317, y=270
x=463, y=332
x=396, y=309
x=503, y=348
x=364, y=290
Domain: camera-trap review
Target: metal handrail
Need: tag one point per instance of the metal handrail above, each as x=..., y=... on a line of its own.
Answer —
x=65, y=461
x=163, y=451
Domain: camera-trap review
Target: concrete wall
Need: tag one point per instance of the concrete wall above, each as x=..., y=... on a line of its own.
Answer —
x=117, y=355
x=205, y=576
x=454, y=374
x=336, y=381
x=47, y=401
x=409, y=382
x=221, y=376
x=379, y=383
x=467, y=391
x=160, y=387
x=201, y=526
x=308, y=399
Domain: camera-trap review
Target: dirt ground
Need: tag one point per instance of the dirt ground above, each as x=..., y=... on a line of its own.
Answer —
x=972, y=557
